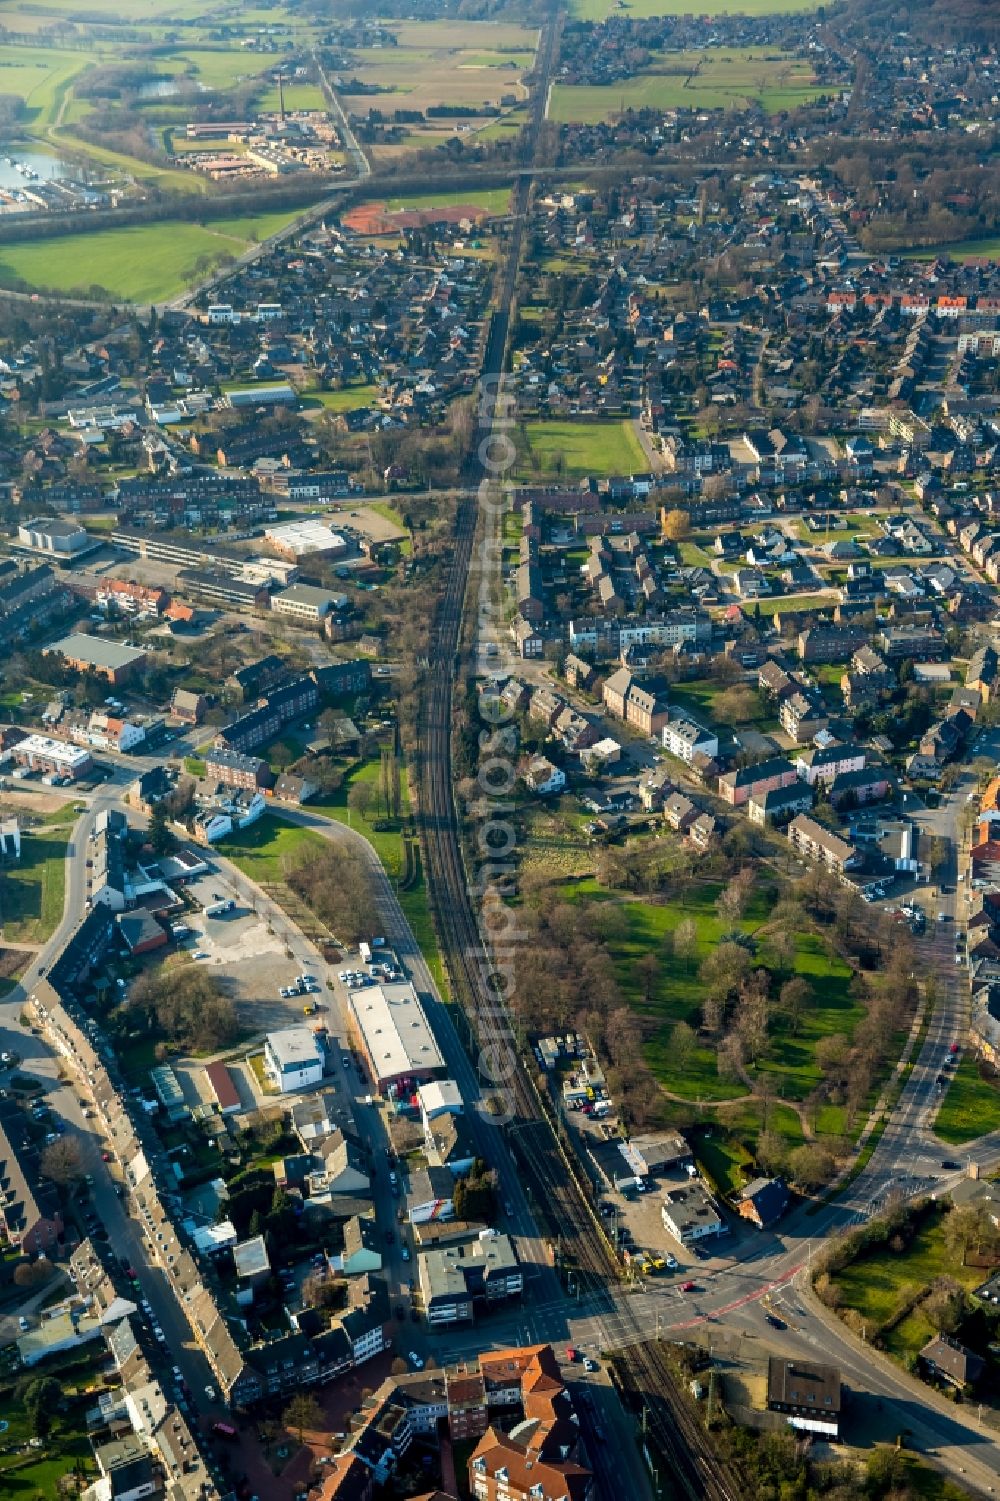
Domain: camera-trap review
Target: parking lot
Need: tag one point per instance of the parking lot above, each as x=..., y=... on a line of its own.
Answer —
x=249, y=959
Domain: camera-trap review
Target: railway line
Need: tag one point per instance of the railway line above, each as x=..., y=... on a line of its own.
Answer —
x=669, y=1422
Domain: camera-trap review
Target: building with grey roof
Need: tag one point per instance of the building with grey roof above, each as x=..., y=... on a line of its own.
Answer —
x=108, y=659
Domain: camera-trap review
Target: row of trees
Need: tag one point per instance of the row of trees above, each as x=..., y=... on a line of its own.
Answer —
x=335, y=884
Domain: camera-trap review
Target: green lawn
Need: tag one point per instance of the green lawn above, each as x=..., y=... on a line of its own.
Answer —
x=32, y=890
x=876, y=1284
x=388, y=513
x=716, y=78
x=574, y=449
x=971, y=1105
x=726, y=1161
x=221, y=68
x=959, y=250
x=785, y=603
x=138, y=262
x=38, y=1480
x=297, y=96
x=262, y=849
x=344, y=400
x=38, y=76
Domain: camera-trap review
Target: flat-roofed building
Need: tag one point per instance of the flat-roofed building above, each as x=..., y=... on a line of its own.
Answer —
x=304, y=603
x=394, y=1034
x=108, y=659
x=42, y=753
x=453, y=1278
x=293, y=1058
x=65, y=539
x=690, y=1213
x=298, y=539
x=221, y=588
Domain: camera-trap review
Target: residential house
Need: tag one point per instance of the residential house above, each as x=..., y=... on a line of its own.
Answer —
x=802, y=715
x=543, y=778
x=823, y=764
x=816, y=843
x=949, y=1361
x=763, y=1201
x=640, y=704
x=737, y=787
x=778, y=804
x=685, y=738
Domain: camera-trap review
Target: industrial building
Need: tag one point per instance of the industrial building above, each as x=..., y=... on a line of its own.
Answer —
x=64, y=539
x=108, y=659
x=394, y=1034
x=299, y=539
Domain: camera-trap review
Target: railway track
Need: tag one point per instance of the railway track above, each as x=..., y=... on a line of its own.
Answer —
x=669, y=1421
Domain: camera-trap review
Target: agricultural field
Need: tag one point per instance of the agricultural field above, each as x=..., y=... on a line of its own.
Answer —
x=138, y=263
x=472, y=64
x=571, y=450
x=718, y=78
x=39, y=77
x=297, y=96
x=640, y=10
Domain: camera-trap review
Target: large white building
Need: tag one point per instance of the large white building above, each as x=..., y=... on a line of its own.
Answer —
x=52, y=534
x=394, y=1034
x=42, y=753
x=293, y=1058
x=685, y=738
x=297, y=539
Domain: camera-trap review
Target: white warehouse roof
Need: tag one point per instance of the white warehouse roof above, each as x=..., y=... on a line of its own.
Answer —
x=395, y=1029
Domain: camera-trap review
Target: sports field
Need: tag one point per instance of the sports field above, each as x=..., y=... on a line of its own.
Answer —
x=960, y=250
x=137, y=263
x=718, y=78
x=640, y=10
x=494, y=200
